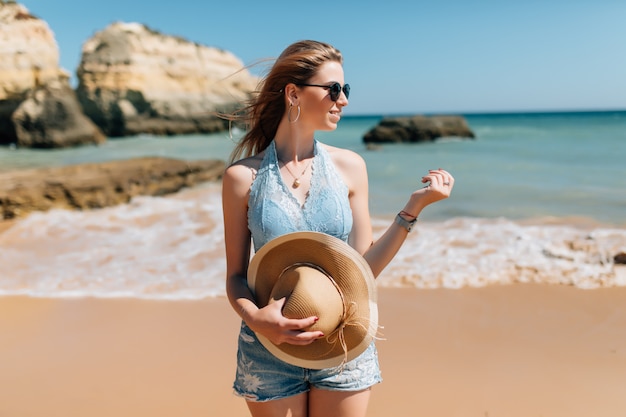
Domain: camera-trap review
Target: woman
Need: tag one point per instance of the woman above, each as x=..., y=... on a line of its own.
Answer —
x=288, y=181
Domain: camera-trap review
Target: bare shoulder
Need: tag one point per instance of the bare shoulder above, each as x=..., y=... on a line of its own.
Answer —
x=240, y=174
x=346, y=160
x=350, y=165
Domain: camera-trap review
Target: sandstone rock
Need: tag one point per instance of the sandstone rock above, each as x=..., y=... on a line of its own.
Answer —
x=418, y=129
x=51, y=117
x=97, y=185
x=135, y=80
x=29, y=70
x=29, y=55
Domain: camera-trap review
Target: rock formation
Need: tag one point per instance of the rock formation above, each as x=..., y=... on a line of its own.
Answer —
x=98, y=185
x=135, y=80
x=51, y=117
x=37, y=106
x=417, y=129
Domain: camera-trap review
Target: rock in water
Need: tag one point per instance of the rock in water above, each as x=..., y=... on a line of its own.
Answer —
x=418, y=128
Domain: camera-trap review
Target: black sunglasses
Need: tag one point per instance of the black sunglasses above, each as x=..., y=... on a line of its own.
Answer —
x=334, y=89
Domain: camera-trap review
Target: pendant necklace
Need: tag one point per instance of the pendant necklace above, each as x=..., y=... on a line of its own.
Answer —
x=296, y=180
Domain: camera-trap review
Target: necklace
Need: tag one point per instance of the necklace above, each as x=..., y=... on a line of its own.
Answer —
x=296, y=180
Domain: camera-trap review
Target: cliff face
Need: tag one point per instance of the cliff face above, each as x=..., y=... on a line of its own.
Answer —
x=29, y=55
x=34, y=90
x=131, y=80
x=135, y=80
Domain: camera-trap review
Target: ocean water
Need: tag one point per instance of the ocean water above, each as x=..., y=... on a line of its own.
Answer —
x=539, y=197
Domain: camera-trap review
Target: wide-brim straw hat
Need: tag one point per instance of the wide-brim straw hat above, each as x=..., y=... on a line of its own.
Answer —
x=322, y=276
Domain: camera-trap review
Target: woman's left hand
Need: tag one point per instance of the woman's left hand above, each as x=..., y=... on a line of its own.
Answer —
x=440, y=183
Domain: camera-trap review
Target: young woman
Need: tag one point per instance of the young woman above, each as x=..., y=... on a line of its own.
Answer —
x=288, y=181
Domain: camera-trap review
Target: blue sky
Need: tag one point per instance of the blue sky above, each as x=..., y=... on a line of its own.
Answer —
x=407, y=56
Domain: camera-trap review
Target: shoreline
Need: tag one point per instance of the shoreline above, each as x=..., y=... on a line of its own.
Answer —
x=172, y=248
x=6, y=225
x=518, y=350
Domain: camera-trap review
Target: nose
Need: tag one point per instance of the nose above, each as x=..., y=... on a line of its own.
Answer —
x=342, y=100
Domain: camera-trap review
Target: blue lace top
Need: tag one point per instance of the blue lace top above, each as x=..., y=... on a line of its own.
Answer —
x=273, y=210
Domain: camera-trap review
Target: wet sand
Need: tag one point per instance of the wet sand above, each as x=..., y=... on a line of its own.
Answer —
x=517, y=351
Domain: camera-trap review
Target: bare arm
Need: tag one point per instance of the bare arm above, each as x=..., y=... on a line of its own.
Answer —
x=237, y=241
x=385, y=248
x=378, y=254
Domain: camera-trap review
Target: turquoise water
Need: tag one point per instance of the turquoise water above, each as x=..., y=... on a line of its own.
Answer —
x=520, y=166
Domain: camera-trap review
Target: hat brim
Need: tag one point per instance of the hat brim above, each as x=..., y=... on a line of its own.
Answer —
x=352, y=274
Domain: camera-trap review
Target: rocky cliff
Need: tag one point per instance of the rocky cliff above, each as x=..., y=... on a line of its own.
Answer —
x=29, y=55
x=37, y=106
x=135, y=80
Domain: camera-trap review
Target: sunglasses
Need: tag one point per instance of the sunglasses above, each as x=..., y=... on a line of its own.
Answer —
x=334, y=89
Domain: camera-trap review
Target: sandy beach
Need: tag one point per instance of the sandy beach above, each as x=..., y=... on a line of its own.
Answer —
x=516, y=351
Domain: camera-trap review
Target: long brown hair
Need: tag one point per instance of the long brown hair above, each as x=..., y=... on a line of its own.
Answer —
x=297, y=64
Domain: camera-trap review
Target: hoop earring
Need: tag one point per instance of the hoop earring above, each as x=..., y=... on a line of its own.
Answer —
x=289, y=114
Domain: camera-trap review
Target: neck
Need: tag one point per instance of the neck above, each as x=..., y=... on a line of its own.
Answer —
x=293, y=144
x=295, y=151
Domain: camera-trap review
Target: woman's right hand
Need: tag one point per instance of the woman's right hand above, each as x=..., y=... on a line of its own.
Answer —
x=270, y=322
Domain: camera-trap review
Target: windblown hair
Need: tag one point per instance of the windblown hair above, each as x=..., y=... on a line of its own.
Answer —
x=297, y=64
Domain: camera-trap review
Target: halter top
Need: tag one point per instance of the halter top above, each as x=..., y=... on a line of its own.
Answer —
x=274, y=211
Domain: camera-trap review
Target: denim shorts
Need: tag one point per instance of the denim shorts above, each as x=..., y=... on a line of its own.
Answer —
x=263, y=377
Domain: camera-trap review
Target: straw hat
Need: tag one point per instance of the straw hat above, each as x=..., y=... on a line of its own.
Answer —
x=321, y=276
